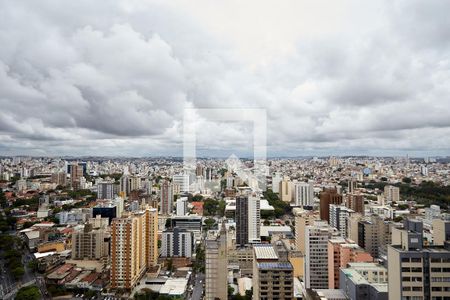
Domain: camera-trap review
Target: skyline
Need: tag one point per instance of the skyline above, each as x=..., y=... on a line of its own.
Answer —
x=113, y=79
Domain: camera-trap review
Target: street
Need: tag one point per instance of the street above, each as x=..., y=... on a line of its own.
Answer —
x=197, y=292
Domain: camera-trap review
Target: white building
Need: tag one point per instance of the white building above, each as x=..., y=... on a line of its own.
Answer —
x=316, y=254
x=431, y=213
x=338, y=218
x=182, y=206
x=303, y=194
x=182, y=180
x=177, y=243
x=276, y=179
x=105, y=190
x=254, y=220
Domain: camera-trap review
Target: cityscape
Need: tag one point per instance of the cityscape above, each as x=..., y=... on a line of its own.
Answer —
x=324, y=228
x=225, y=150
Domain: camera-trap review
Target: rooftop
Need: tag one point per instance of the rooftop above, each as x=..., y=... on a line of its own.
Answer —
x=265, y=252
x=174, y=287
x=275, y=266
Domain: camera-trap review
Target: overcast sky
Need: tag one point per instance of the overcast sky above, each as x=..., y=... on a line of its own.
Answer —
x=114, y=77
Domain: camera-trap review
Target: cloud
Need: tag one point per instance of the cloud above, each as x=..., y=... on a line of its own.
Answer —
x=114, y=77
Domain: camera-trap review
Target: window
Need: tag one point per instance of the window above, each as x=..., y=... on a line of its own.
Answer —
x=435, y=269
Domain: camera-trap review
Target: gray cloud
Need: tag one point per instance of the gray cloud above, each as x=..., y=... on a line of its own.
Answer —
x=114, y=77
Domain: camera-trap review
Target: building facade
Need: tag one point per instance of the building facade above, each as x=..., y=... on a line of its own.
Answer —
x=177, y=243
x=134, y=247
x=216, y=267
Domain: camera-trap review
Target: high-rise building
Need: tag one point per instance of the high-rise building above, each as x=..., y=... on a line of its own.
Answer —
x=89, y=243
x=356, y=203
x=105, y=210
x=166, y=197
x=303, y=218
x=441, y=231
x=286, y=189
x=248, y=220
x=338, y=218
x=105, y=190
x=431, y=213
x=416, y=271
x=182, y=181
x=76, y=172
x=182, y=206
x=199, y=171
x=352, y=226
x=340, y=253
x=391, y=193
x=276, y=179
x=316, y=254
x=129, y=183
x=134, y=247
x=327, y=197
x=352, y=186
x=303, y=194
x=177, y=243
x=59, y=178
x=272, y=275
x=21, y=185
x=216, y=283
x=98, y=222
x=374, y=235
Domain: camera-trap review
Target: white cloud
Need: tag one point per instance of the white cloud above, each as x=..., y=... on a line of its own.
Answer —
x=113, y=77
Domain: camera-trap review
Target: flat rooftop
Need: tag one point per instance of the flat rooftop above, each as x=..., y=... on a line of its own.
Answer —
x=265, y=252
x=275, y=266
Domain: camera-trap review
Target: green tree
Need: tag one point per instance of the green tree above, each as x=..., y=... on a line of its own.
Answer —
x=3, y=201
x=33, y=265
x=30, y=292
x=280, y=206
x=18, y=272
x=407, y=180
x=168, y=223
x=210, y=207
x=221, y=208
x=209, y=223
x=27, y=224
x=197, y=198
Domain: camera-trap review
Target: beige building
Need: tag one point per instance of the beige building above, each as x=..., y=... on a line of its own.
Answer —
x=98, y=222
x=216, y=268
x=391, y=193
x=89, y=243
x=286, y=190
x=303, y=218
x=352, y=227
x=316, y=254
x=374, y=235
x=441, y=231
x=415, y=271
x=134, y=247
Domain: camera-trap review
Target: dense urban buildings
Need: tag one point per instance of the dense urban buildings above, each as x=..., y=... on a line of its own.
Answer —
x=233, y=241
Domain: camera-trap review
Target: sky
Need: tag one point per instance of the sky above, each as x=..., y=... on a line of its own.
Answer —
x=331, y=77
